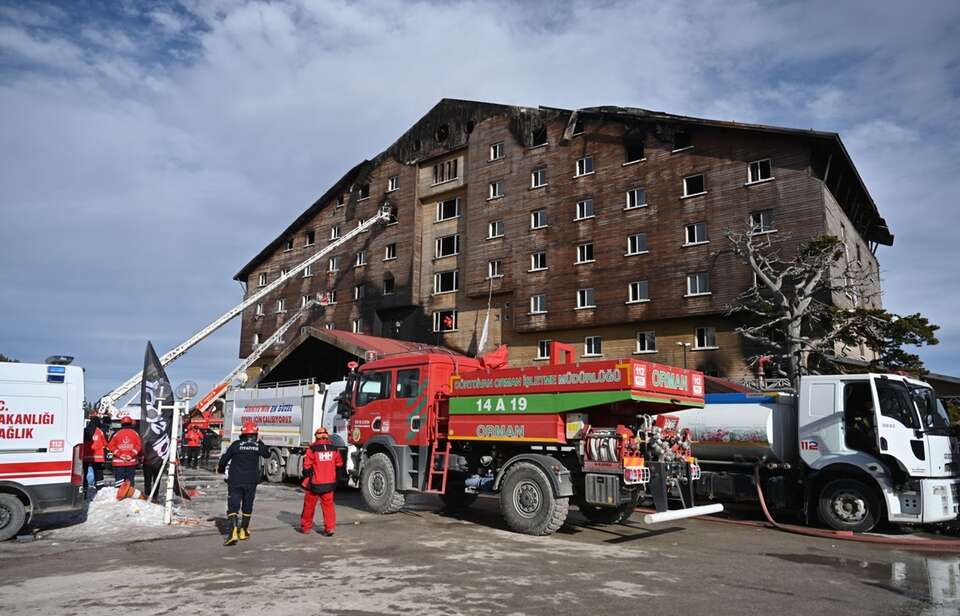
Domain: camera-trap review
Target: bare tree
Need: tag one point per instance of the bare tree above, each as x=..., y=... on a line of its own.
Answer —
x=802, y=303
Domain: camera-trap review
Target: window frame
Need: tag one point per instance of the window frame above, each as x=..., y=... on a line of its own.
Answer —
x=494, y=264
x=308, y=271
x=493, y=226
x=587, y=246
x=539, y=172
x=695, y=225
x=438, y=244
x=533, y=256
x=584, y=166
x=587, y=293
x=538, y=304
x=597, y=343
x=760, y=180
x=309, y=237
x=642, y=298
x=438, y=321
x=710, y=334
x=540, y=212
x=498, y=148
x=438, y=277
x=387, y=250
x=360, y=258
x=456, y=206
x=647, y=335
x=696, y=276
x=703, y=180
x=541, y=353
x=335, y=233
x=634, y=190
x=262, y=279
x=577, y=215
x=495, y=190
x=281, y=305
x=333, y=263
x=762, y=213
x=630, y=238
x=393, y=183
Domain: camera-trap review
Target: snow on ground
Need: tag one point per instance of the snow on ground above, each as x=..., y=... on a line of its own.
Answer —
x=130, y=518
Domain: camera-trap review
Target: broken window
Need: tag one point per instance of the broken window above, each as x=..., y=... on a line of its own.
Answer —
x=445, y=282
x=682, y=139
x=761, y=221
x=646, y=342
x=759, y=171
x=633, y=145
x=389, y=284
x=447, y=246
x=445, y=321
x=448, y=209
x=364, y=191
x=288, y=244
x=578, y=126
x=705, y=338
x=311, y=238
x=445, y=171
x=539, y=137
x=694, y=185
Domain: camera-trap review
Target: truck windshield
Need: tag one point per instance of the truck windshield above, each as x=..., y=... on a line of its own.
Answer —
x=896, y=402
x=931, y=410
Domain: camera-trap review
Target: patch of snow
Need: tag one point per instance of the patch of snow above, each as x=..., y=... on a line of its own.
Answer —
x=130, y=518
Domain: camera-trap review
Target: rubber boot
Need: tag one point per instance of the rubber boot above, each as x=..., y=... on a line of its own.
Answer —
x=234, y=524
x=245, y=526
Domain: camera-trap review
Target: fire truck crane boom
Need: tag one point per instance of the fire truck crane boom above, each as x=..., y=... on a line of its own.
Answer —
x=174, y=353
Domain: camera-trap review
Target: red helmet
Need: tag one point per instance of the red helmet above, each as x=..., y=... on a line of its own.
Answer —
x=248, y=427
x=126, y=420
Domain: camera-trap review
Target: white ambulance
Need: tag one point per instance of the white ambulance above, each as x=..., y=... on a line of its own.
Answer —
x=41, y=441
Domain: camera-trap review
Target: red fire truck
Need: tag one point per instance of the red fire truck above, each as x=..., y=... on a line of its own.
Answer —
x=597, y=434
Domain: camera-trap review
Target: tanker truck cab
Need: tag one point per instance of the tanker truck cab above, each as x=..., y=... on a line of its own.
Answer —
x=877, y=442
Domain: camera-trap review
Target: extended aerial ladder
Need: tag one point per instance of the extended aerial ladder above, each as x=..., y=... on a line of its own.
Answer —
x=111, y=398
x=241, y=368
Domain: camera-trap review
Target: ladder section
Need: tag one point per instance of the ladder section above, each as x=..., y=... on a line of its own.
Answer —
x=439, y=464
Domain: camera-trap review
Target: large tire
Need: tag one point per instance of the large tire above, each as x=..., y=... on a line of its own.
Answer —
x=848, y=504
x=378, y=484
x=527, y=502
x=456, y=499
x=12, y=516
x=608, y=515
x=275, y=468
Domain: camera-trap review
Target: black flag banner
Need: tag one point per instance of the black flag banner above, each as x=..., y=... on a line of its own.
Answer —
x=156, y=426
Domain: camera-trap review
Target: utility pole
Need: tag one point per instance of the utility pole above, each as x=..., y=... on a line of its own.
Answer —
x=684, y=346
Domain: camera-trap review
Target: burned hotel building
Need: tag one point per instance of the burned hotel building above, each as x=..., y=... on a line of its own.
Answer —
x=601, y=227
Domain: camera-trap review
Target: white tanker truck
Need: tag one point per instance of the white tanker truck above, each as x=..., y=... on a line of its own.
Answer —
x=849, y=450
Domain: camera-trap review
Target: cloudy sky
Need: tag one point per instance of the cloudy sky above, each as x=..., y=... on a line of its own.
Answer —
x=151, y=148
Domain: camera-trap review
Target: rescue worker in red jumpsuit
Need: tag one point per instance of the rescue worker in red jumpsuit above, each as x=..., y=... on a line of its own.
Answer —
x=193, y=439
x=320, y=480
x=125, y=447
x=94, y=449
x=243, y=455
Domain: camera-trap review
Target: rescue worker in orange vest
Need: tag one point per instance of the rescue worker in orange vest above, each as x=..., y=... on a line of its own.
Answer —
x=125, y=447
x=243, y=456
x=193, y=439
x=94, y=449
x=320, y=480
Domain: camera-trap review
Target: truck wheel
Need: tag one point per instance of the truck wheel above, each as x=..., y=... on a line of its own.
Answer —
x=275, y=467
x=527, y=502
x=378, y=484
x=456, y=499
x=848, y=504
x=608, y=515
x=12, y=516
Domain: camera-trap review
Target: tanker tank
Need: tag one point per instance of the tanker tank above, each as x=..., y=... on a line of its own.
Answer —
x=743, y=428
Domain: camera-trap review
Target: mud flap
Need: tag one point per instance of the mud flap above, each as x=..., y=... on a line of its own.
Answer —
x=658, y=486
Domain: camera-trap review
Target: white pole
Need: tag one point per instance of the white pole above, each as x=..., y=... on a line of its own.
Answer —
x=172, y=461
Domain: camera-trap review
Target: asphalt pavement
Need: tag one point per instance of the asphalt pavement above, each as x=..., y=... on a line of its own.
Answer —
x=423, y=561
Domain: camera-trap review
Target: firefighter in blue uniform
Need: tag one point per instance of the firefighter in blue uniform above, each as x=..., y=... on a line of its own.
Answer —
x=243, y=456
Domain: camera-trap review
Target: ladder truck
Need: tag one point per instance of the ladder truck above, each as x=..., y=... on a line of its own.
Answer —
x=109, y=401
x=597, y=434
x=240, y=371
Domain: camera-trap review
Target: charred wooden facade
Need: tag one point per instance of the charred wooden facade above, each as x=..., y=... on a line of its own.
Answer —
x=603, y=227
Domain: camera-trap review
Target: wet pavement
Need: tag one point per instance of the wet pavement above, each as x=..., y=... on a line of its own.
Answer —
x=422, y=561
